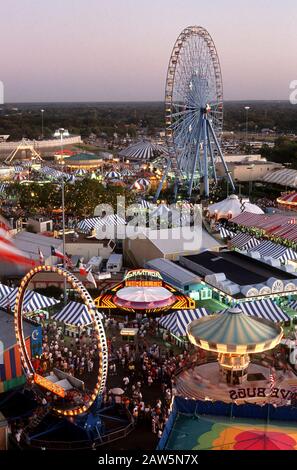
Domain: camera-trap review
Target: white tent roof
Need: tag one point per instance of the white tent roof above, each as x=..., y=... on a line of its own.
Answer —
x=233, y=205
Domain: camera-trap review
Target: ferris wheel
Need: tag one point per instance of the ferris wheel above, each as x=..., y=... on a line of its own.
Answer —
x=194, y=109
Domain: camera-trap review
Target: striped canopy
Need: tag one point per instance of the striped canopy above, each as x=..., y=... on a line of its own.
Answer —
x=244, y=241
x=32, y=301
x=80, y=172
x=113, y=175
x=141, y=184
x=293, y=304
x=126, y=172
x=3, y=187
x=273, y=250
x=142, y=151
x=4, y=291
x=264, y=221
x=224, y=233
x=97, y=222
x=178, y=321
x=74, y=313
x=284, y=177
x=18, y=168
x=265, y=308
x=52, y=173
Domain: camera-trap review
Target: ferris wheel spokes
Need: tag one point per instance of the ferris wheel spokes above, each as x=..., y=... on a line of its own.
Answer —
x=194, y=109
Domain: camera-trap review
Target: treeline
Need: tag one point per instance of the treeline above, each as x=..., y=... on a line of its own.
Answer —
x=106, y=119
x=102, y=119
x=284, y=151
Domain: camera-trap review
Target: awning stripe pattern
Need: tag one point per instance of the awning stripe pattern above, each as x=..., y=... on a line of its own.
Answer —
x=97, y=222
x=244, y=241
x=5, y=291
x=224, y=233
x=293, y=304
x=52, y=173
x=74, y=313
x=32, y=301
x=178, y=321
x=285, y=177
x=142, y=151
x=273, y=250
x=265, y=308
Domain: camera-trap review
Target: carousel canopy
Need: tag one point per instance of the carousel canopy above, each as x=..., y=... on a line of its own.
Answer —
x=142, y=151
x=234, y=206
x=178, y=321
x=234, y=332
x=141, y=298
x=288, y=199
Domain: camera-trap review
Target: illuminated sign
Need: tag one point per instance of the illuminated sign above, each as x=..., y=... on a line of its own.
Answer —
x=262, y=392
x=134, y=273
x=48, y=385
x=143, y=283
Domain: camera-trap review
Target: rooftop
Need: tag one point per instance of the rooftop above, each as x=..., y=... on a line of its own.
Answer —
x=29, y=243
x=7, y=334
x=173, y=271
x=238, y=268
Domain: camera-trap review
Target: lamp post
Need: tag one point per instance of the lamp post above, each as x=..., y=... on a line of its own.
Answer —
x=42, y=129
x=247, y=108
x=61, y=133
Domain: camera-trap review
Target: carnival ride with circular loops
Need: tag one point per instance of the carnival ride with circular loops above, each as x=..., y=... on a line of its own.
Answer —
x=194, y=112
x=72, y=409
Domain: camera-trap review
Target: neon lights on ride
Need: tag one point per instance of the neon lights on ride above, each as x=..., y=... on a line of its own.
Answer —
x=97, y=325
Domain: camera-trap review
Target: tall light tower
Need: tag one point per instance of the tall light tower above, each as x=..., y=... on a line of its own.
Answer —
x=61, y=133
x=42, y=128
x=247, y=108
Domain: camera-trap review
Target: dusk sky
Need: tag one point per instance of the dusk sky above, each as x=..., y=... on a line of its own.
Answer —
x=111, y=50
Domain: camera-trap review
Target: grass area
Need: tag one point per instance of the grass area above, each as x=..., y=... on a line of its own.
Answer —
x=212, y=305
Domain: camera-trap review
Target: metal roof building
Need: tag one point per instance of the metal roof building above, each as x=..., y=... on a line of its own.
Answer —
x=174, y=274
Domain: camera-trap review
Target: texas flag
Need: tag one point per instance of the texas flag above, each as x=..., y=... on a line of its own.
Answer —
x=56, y=253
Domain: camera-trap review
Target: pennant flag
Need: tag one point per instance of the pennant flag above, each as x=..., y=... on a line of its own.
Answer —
x=91, y=278
x=82, y=269
x=41, y=256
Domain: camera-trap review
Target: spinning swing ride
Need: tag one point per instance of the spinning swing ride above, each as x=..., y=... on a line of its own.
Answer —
x=194, y=113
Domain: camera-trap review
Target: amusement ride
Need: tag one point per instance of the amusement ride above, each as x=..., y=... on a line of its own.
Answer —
x=193, y=113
